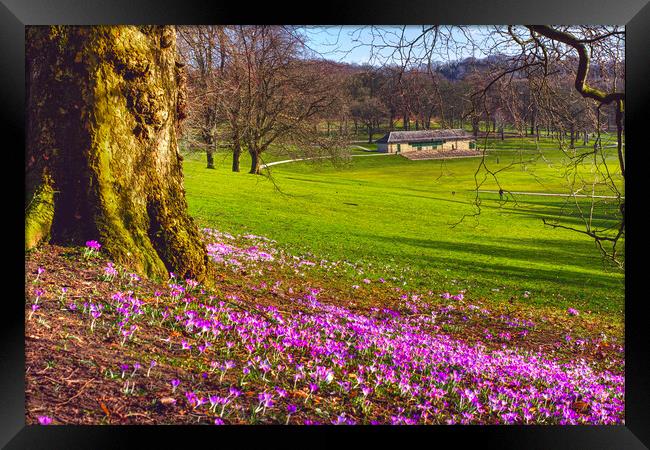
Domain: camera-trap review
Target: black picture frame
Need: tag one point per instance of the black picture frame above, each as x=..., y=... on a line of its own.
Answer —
x=16, y=14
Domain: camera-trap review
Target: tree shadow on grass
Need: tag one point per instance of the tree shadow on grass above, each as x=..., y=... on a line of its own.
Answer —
x=566, y=256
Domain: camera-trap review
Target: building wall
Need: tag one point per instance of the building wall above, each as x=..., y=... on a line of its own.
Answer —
x=405, y=147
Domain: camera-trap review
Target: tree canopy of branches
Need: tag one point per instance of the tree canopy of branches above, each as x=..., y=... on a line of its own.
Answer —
x=258, y=81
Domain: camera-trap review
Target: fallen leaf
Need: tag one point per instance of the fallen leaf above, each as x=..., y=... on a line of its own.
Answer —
x=580, y=406
x=168, y=401
x=105, y=409
x=300, y=393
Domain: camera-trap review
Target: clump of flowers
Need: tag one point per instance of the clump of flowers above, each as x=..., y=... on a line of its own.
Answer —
x=92, y=249
x=44, y=420
x=572, y=312
x=266, y=401
x=95, y=313
x=110, y=272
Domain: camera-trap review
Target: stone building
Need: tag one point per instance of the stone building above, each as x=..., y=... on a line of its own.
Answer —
x=413, y=141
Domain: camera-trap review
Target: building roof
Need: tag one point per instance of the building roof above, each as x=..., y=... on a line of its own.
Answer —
x=424, y=136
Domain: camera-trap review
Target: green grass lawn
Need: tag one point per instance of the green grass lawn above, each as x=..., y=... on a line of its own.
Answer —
x=397, y=217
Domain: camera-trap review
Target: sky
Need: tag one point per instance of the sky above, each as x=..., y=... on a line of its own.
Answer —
x=354, y=44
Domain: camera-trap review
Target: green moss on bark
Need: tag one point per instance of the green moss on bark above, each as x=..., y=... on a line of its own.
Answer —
x=39, y=214
x=119, y=174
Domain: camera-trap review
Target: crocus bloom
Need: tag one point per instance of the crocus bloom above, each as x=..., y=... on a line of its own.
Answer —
x=44, y=420
x=94, y=245
x=266, y=399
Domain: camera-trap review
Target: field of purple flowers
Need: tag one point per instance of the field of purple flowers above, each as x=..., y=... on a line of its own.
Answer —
x=284, y=339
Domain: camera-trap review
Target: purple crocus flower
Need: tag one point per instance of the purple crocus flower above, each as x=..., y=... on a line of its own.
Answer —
x=94, y=245
x=44, y=420
x=266, y=399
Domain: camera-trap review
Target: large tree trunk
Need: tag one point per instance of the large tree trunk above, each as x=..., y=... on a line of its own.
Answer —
x=210, y=157
x=255, y=162
x=209, y=151
x=236, y=153
x=102, y=161
x=533, y=122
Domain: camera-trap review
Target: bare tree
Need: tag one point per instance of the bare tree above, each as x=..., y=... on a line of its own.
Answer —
x=204, y=52
x=280, y=95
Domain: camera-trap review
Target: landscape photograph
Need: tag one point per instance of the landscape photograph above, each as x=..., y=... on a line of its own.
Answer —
x=324, y=225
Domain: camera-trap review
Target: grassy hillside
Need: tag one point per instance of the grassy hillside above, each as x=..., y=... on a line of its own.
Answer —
x=402, y=218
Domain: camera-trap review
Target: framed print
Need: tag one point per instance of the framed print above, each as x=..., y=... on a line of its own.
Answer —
x=375, y=220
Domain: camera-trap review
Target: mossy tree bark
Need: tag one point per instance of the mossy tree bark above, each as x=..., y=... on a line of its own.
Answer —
x=102, y=161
